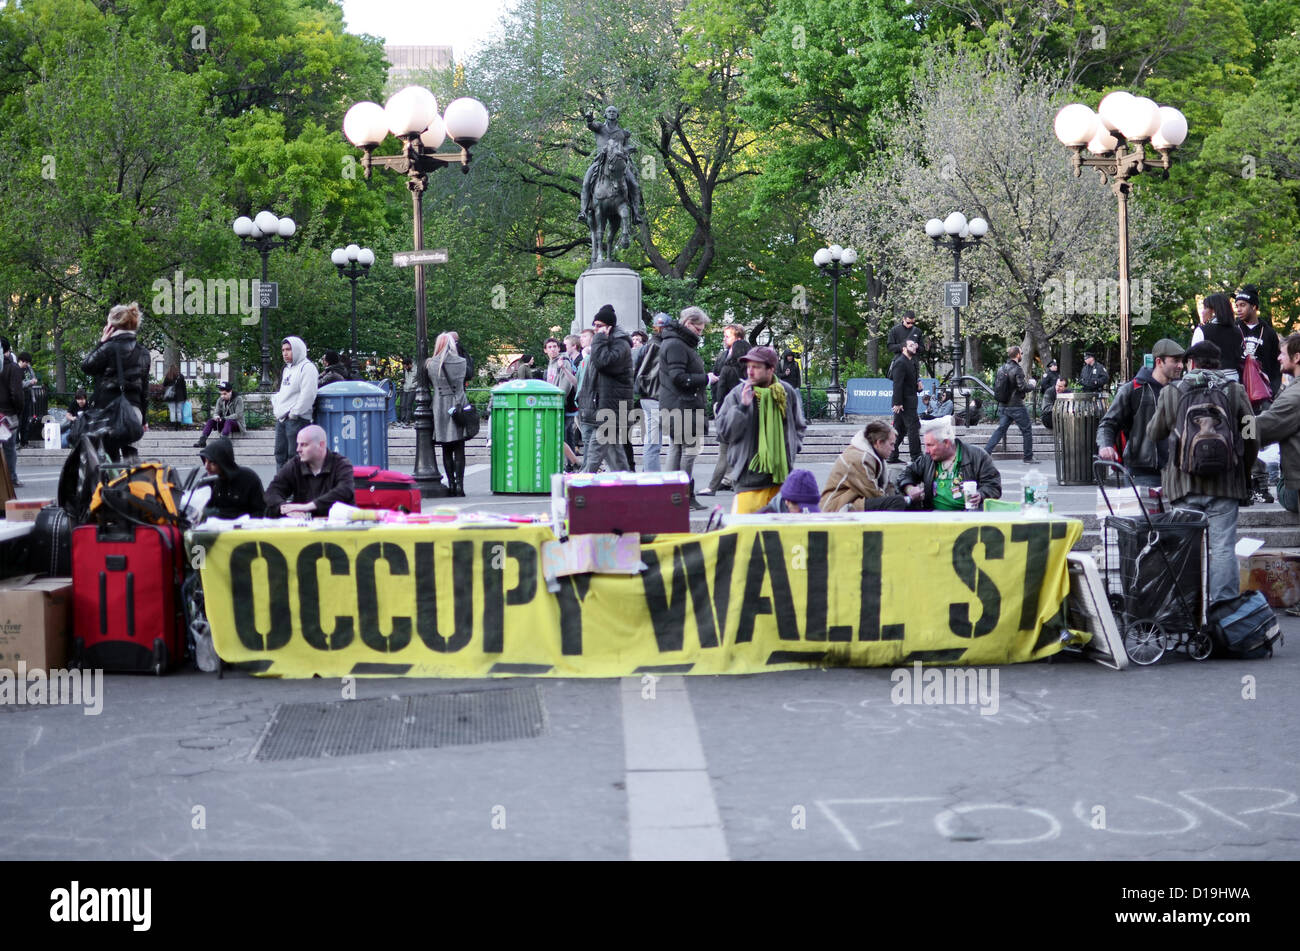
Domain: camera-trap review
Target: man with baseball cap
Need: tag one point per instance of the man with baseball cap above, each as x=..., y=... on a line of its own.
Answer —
x=1122, y=432
x=763, y=425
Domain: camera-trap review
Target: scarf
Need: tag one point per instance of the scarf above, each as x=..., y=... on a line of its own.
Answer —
x=771, y=456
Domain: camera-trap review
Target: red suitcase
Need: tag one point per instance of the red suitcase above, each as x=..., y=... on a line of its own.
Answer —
x=125, y=604
x=378, y=488
x=644, y=503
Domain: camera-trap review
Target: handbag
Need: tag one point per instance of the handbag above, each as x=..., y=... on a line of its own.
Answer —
x=119, y=419
x=464, y=416
x=169, y=394
x=1253, y=377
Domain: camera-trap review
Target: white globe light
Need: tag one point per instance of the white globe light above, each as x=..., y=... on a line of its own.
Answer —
x=266, y=222
x=954, y=223
x=849, y=256
x=822, y=257
x=352, y=251
x=934, y=228
x=836, y=251
x=339, y=257
x=1076, y=124
x=243, y=226
x=435, y=135
x=1112, y=108
x=979, y=227
x=287, y=227
x=466, y=120
x=1173, y=129
x=1141, y=119
x=366, y=257
x=365, y=124
x=410, y=110
x=1102, y=142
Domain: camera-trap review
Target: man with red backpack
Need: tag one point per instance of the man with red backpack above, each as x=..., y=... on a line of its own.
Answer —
x=1122, y=432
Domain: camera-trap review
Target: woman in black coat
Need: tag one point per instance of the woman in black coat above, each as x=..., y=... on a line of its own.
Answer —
x=117, y=342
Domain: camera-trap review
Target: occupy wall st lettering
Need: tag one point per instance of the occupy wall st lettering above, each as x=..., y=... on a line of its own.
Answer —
x=667, y=586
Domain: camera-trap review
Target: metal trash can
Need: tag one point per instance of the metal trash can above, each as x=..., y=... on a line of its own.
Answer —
x=527, y=436
x=1074, y=436
x=354, y=417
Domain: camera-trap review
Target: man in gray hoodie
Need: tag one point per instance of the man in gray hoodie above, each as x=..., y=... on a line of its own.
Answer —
x=292, y=405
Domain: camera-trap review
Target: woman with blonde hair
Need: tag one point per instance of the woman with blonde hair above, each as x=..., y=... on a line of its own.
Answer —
x=120, y=367
x=447, y=369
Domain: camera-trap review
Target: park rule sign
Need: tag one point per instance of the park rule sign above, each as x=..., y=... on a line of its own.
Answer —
x=471, y=600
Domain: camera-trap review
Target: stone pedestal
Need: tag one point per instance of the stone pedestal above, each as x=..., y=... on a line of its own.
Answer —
x=613, y=283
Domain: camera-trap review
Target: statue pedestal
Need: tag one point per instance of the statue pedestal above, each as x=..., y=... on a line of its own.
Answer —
x=613, y=283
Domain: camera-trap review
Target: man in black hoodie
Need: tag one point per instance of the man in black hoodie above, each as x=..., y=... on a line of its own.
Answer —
x=609, y=399
x=236, y=490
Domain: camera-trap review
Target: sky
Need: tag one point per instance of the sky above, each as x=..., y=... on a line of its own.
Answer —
x=462, y=24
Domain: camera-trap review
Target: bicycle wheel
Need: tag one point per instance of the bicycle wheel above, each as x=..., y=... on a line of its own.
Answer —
x=1145, y=641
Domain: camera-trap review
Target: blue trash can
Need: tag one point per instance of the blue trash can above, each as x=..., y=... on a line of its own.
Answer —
x=354, y=417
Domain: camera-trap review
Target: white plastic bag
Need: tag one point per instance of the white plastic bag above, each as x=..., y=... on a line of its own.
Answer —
x=51, y=433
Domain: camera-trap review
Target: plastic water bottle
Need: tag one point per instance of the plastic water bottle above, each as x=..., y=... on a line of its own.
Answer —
x=1035, y=490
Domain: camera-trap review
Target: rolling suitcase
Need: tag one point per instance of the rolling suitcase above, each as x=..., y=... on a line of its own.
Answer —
x=377, y=488
x=51, y=543
x=126, y=614
x=644, y=503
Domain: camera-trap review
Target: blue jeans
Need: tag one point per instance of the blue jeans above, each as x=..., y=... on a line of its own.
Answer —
x=1224, y=581
x=286, y=438
x=1006, y=415
x=1287, y=496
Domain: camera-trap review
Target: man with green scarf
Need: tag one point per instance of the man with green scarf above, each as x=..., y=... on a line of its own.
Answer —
x=762, y=424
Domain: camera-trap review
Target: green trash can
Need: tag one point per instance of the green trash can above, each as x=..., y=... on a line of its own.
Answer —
x=527, y=436
x=1074, y=435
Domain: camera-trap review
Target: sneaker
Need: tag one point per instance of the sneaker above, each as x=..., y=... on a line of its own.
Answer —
x=200, y=444
x=696, y=506
x=1261, y=497
x=706, y=491
x=1294, y=610
x=1031, y=462
x=17, y=483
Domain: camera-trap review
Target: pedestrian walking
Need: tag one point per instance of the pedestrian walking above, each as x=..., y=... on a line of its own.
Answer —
x=1009, y=388
x=905, y=374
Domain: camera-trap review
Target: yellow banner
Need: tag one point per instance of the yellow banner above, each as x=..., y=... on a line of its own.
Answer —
x=435, y=601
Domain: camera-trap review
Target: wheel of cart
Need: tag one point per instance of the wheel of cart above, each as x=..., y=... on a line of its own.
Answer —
x=1160, y=563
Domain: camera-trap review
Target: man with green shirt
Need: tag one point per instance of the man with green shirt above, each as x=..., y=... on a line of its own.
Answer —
x=935, y=477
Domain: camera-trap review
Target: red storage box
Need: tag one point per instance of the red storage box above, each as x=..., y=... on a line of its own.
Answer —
x=648, y=503
x=377, y=488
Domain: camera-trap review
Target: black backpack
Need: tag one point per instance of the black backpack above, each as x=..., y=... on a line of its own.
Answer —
x=1004, y=384
x=1207, y=437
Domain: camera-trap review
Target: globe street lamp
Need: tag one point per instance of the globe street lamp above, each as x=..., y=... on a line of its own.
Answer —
x=353, y=263
x=412, y=116
x=956, y=233
x=264, y=232
x=1121, y=120
x=835, y=262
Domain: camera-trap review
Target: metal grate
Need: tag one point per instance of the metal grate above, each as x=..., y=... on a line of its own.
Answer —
x=348, y=727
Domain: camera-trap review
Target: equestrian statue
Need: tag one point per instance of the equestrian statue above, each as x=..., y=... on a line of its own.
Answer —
x=611, y=195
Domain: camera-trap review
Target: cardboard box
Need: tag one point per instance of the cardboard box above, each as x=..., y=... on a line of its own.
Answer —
x=25, y=510
x=35, y=622
x=1275, y=573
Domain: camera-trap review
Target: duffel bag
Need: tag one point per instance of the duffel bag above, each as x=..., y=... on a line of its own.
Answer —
x=1244, y=627
x=377, y=488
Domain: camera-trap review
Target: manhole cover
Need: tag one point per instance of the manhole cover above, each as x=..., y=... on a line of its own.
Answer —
x=347, y=727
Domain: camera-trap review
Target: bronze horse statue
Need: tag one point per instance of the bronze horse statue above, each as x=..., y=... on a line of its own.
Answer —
x=611, y=207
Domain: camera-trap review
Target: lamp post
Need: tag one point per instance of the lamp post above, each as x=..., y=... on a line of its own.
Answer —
x=353, y=263
x=264, y=232
x=1121, y=120
x=956, y=234
x=835, y=262
x=412, y=116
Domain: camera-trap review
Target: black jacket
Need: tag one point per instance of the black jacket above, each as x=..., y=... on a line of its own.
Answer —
x=905, y=373
x=237, y=490
x=1128, y=416
x=730, y=370
x=102, y=366
x=976, y=466
x=1228, y=339
x=899, y=335
x=787, y=371
x=608, y=377
x=11, y=387
x=1019, y=385
x=682, y=380
x=331, y=374
x=295, y=483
